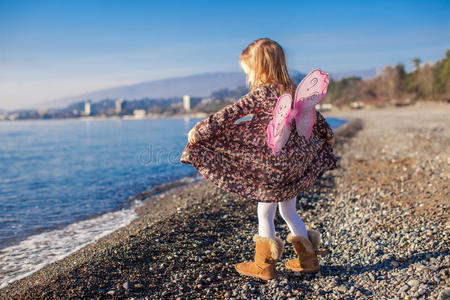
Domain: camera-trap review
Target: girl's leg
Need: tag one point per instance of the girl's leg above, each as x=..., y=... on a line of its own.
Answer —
x=288, y=212
x=266, y=213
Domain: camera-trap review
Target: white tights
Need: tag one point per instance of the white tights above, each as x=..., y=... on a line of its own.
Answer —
x=288, y=211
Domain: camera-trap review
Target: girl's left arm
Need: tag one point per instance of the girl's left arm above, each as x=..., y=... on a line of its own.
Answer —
x=215, y=123
x=323, y=127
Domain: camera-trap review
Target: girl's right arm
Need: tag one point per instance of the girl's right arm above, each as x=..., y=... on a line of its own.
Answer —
x=215, y=123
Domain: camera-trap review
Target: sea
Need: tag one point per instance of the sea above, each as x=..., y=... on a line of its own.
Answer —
x=66, y=183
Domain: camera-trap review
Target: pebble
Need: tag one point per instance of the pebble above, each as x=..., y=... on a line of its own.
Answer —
x=342, y=288
x=444, y=295
x=404, y=288
x=413, y=282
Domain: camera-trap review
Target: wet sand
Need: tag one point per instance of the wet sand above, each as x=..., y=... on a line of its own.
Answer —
x=383, y=215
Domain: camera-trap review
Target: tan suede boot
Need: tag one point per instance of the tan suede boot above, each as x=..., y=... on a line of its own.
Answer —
x=307, y=251
x=267, y=252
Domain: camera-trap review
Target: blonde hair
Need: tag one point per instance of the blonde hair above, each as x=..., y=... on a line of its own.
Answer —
x=265, y=63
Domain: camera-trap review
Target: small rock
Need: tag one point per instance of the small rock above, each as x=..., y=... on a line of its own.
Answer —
x=342, y=289
x=111, y=292
x=273, y=282
x=403, y=288
x=420, y=292
x=413, y=282
x=444, y=295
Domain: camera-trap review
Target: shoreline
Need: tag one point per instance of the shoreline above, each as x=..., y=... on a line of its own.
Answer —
x=193, y=214
x=95, y=226
x=334, y=110
x=126, y=117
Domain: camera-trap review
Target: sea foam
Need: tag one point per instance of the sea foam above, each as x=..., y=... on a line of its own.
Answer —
x=36, y=251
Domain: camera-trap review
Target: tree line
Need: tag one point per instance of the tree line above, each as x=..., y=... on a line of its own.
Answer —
x=394, y=85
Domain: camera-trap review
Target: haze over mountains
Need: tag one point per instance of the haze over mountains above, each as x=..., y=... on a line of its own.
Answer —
x=367, y=73
x=198, y=85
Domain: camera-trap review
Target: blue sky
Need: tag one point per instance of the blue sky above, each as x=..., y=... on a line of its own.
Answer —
x=52, y=49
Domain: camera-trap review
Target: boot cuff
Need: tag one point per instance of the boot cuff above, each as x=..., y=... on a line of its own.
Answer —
x=314, y=237
x=299, y=238
x=276, y=246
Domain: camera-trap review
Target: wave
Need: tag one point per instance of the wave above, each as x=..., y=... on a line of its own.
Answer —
x=36, y=251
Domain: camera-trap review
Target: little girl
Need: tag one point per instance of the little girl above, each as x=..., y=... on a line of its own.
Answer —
x=236, y=157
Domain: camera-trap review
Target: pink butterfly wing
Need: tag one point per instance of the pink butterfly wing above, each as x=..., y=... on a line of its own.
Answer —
x=279, y=128
x=304, y=121
x=309, y=92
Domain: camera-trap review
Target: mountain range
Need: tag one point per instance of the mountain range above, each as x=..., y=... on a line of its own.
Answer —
x=198, y=85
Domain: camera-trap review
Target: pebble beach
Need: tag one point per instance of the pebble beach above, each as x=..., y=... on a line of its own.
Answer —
x=383, y=215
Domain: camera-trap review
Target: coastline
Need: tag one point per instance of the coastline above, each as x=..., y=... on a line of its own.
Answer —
x=126, y=117
x=34, y=252
x=192, y=234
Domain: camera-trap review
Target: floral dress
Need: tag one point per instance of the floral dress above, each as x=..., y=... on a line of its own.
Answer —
x=237, y=158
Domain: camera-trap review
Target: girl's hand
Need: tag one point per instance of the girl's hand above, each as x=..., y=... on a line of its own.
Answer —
x=192, y=137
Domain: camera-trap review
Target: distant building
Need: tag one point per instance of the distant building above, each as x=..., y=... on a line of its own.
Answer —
x=42, y=112
x=119, y=103
x=87, y=108
x=12, y=117
x=357, y=104
x=187, y=102
x=206, y=100
x=139, y=113
x=324, y=106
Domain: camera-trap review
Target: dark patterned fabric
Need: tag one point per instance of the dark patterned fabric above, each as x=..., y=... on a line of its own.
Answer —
x=237, y=158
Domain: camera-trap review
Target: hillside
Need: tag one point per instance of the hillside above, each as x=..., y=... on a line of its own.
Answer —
x=198, y=85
